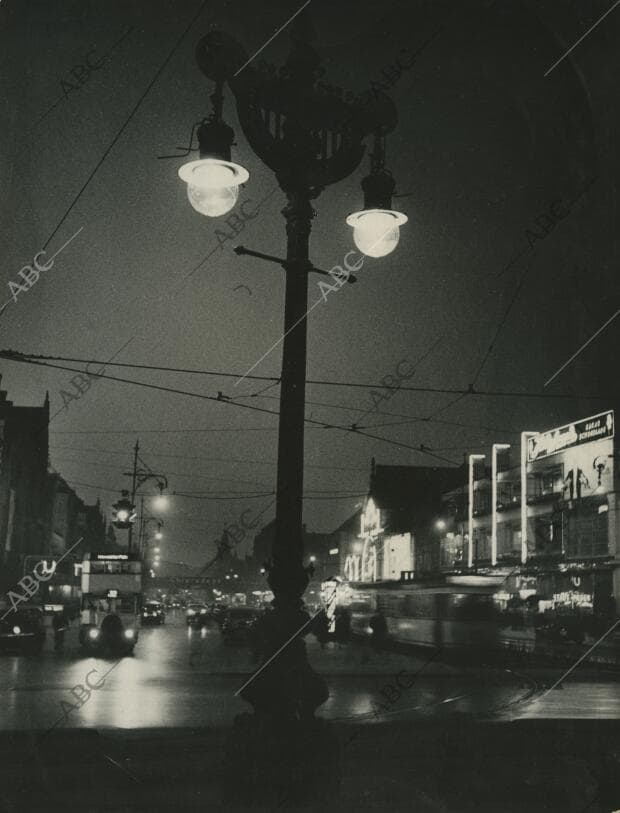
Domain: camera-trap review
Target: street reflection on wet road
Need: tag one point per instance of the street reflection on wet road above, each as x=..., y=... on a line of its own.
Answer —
x=182, y=677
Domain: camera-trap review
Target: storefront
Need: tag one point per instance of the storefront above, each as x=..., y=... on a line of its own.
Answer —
x=376, y=555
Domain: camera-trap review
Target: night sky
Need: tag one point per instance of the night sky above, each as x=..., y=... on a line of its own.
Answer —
x=485, y=144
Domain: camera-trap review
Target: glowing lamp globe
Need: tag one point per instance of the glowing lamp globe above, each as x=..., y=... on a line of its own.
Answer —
x=376, y=232
x=213, y=185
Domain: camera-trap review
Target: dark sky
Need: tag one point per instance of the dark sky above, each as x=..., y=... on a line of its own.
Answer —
x=485, y=144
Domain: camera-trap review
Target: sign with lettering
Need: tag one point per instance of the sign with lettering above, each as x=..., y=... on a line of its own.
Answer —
x=549, y=443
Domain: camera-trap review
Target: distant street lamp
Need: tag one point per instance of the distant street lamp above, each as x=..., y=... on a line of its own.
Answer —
x=440, y=525
x=139, y=476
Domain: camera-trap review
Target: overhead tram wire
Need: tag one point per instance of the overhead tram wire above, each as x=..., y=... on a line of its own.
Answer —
x=471, y=390
x=208, y=459
x=196, y=475
x=225, y=400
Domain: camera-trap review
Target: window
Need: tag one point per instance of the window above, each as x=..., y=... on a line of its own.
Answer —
x=508, y=493
x=482, y=544
x=508, y=539
x=547, y=540
x=549, y=481
x=585, y=532
x=482, y=501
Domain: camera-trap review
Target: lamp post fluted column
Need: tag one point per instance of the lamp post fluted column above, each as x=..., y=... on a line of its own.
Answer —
x=287, y=577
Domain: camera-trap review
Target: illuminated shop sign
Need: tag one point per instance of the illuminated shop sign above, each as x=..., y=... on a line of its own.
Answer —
x=371, y=520
x=112, y=557
x=548, y=443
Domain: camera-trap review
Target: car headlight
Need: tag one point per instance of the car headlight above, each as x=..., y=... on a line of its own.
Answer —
x=202, y=612
x=129, y=633
x=93, y=633
x=191, y=612
x=16, y=630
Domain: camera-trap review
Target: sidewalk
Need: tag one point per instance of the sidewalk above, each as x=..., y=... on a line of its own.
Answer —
x=452, y=766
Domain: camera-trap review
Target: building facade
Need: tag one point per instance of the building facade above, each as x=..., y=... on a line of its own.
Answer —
x=394, y=535
x=560, y=546
x=23, y=480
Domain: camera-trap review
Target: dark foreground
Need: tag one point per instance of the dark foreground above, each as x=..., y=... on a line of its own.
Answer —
x=455, y=765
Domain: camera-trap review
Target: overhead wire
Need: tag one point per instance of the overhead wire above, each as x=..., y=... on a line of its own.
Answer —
x=225, y=400
x=489, y=393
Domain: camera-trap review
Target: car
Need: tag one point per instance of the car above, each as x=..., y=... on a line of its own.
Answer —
x=218, y=613
x=153, y=613
x=196, y=615
x=238, y=624
x=23, y=630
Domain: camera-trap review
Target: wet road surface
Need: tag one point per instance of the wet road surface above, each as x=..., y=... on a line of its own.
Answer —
x=180, y=677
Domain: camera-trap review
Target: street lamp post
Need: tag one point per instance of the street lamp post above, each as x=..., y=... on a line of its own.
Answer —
x=139, y=476
x=311, y=137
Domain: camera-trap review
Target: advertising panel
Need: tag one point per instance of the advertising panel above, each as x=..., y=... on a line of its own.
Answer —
x=545, y=444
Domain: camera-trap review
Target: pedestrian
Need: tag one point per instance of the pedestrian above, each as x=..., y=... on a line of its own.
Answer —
x=378, y=626
x=320, y=628
x=59, y=623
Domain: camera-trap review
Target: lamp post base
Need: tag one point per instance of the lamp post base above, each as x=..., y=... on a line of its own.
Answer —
x=287, y=755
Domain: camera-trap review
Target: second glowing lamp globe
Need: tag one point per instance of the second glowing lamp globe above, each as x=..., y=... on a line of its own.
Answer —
x=376, y=228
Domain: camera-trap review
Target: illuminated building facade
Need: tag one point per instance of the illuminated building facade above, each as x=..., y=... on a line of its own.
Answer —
x=568, y=559
x=394, y=532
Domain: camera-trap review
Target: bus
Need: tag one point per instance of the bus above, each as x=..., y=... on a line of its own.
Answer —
x=111, y=602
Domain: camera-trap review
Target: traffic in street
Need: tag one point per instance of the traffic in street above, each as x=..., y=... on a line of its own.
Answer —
x=185, y=673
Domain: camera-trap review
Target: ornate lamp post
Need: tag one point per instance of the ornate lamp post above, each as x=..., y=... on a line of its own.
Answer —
x=311, y=135
x=139, y=476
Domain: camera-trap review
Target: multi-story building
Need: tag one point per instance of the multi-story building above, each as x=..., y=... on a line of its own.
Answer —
x=395, y=535
x=23, y=477
x=560, y=546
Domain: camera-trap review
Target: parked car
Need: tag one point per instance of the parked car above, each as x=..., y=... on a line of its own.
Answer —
x=238, y=623
x=23, y=630
x=153, y=613
x=196, y=615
